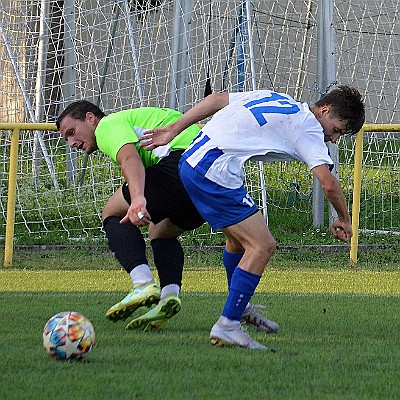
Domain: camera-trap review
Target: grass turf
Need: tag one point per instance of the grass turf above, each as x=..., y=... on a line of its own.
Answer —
x=329, y=347
x=299, y=280
x=338, y=339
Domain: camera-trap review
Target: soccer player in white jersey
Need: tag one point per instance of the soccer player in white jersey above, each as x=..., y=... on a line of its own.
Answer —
x=259, y=125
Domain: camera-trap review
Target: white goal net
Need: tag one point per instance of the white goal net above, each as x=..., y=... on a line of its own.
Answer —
x=127, y=53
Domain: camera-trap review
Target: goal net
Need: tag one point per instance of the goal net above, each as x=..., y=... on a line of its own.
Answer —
x=127, y=53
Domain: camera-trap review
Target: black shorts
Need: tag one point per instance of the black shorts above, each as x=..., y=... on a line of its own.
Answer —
x=166, y=197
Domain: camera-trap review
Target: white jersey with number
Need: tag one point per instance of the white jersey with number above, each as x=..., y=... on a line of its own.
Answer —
x=260, y=125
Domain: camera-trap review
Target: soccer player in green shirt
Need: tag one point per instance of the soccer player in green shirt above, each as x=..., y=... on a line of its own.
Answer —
x=152, y=196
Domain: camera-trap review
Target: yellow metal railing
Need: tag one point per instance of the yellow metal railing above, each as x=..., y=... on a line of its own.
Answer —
x=358, y=154
x=15, y=128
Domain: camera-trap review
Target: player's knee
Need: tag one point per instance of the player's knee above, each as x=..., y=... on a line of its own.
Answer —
x=108, y=211
x=111, y=210
x=233, y=246
x=270, y=247
x=105, y=214
x=266, y=249
x=116, y=206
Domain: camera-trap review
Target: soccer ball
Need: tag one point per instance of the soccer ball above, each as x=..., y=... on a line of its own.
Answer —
x=68, y=335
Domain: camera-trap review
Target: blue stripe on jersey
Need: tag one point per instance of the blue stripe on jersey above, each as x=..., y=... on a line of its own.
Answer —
x=197, y=136
x=209, y=157
x=195, y=146
x=205, y=163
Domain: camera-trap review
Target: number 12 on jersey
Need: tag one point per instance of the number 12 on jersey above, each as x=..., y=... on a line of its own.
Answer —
x=262, y=106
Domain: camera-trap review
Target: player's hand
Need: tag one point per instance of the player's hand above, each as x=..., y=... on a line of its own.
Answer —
x=157, y=137
x=342, y=230
x=137, y=213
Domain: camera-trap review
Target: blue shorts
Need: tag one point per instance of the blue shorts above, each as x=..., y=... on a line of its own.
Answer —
x=219, y=206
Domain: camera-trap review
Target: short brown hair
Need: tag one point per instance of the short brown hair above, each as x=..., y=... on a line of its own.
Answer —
x=347, y=105
x=78, y=110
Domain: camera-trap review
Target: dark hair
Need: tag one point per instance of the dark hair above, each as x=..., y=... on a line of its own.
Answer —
x=347, y=105
x=78, y=110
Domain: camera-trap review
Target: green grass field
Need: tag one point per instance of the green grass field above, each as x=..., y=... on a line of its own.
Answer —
x=339, y=335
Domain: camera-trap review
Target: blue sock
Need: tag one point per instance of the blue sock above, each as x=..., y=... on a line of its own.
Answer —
x=231, y=261
x=241, y=290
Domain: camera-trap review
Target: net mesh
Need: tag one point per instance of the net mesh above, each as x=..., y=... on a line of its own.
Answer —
x=121, y=54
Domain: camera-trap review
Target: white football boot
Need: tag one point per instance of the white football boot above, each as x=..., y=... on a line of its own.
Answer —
x=231, y=333
x=251, y=316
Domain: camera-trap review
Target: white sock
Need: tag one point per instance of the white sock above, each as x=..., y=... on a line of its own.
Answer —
x=141, y=274
x=170, y=290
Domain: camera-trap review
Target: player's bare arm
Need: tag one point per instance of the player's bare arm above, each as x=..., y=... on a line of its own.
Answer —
x=341, y=228
x=164, y=134
x=133, y=170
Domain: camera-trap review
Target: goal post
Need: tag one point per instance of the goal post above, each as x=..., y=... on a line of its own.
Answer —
x=12, y=180
x=121, y=54
x=358, y=167
x=14, y=173
x=12, y=192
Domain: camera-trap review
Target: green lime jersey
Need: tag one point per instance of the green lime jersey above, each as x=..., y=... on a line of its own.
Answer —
x=117, y=129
